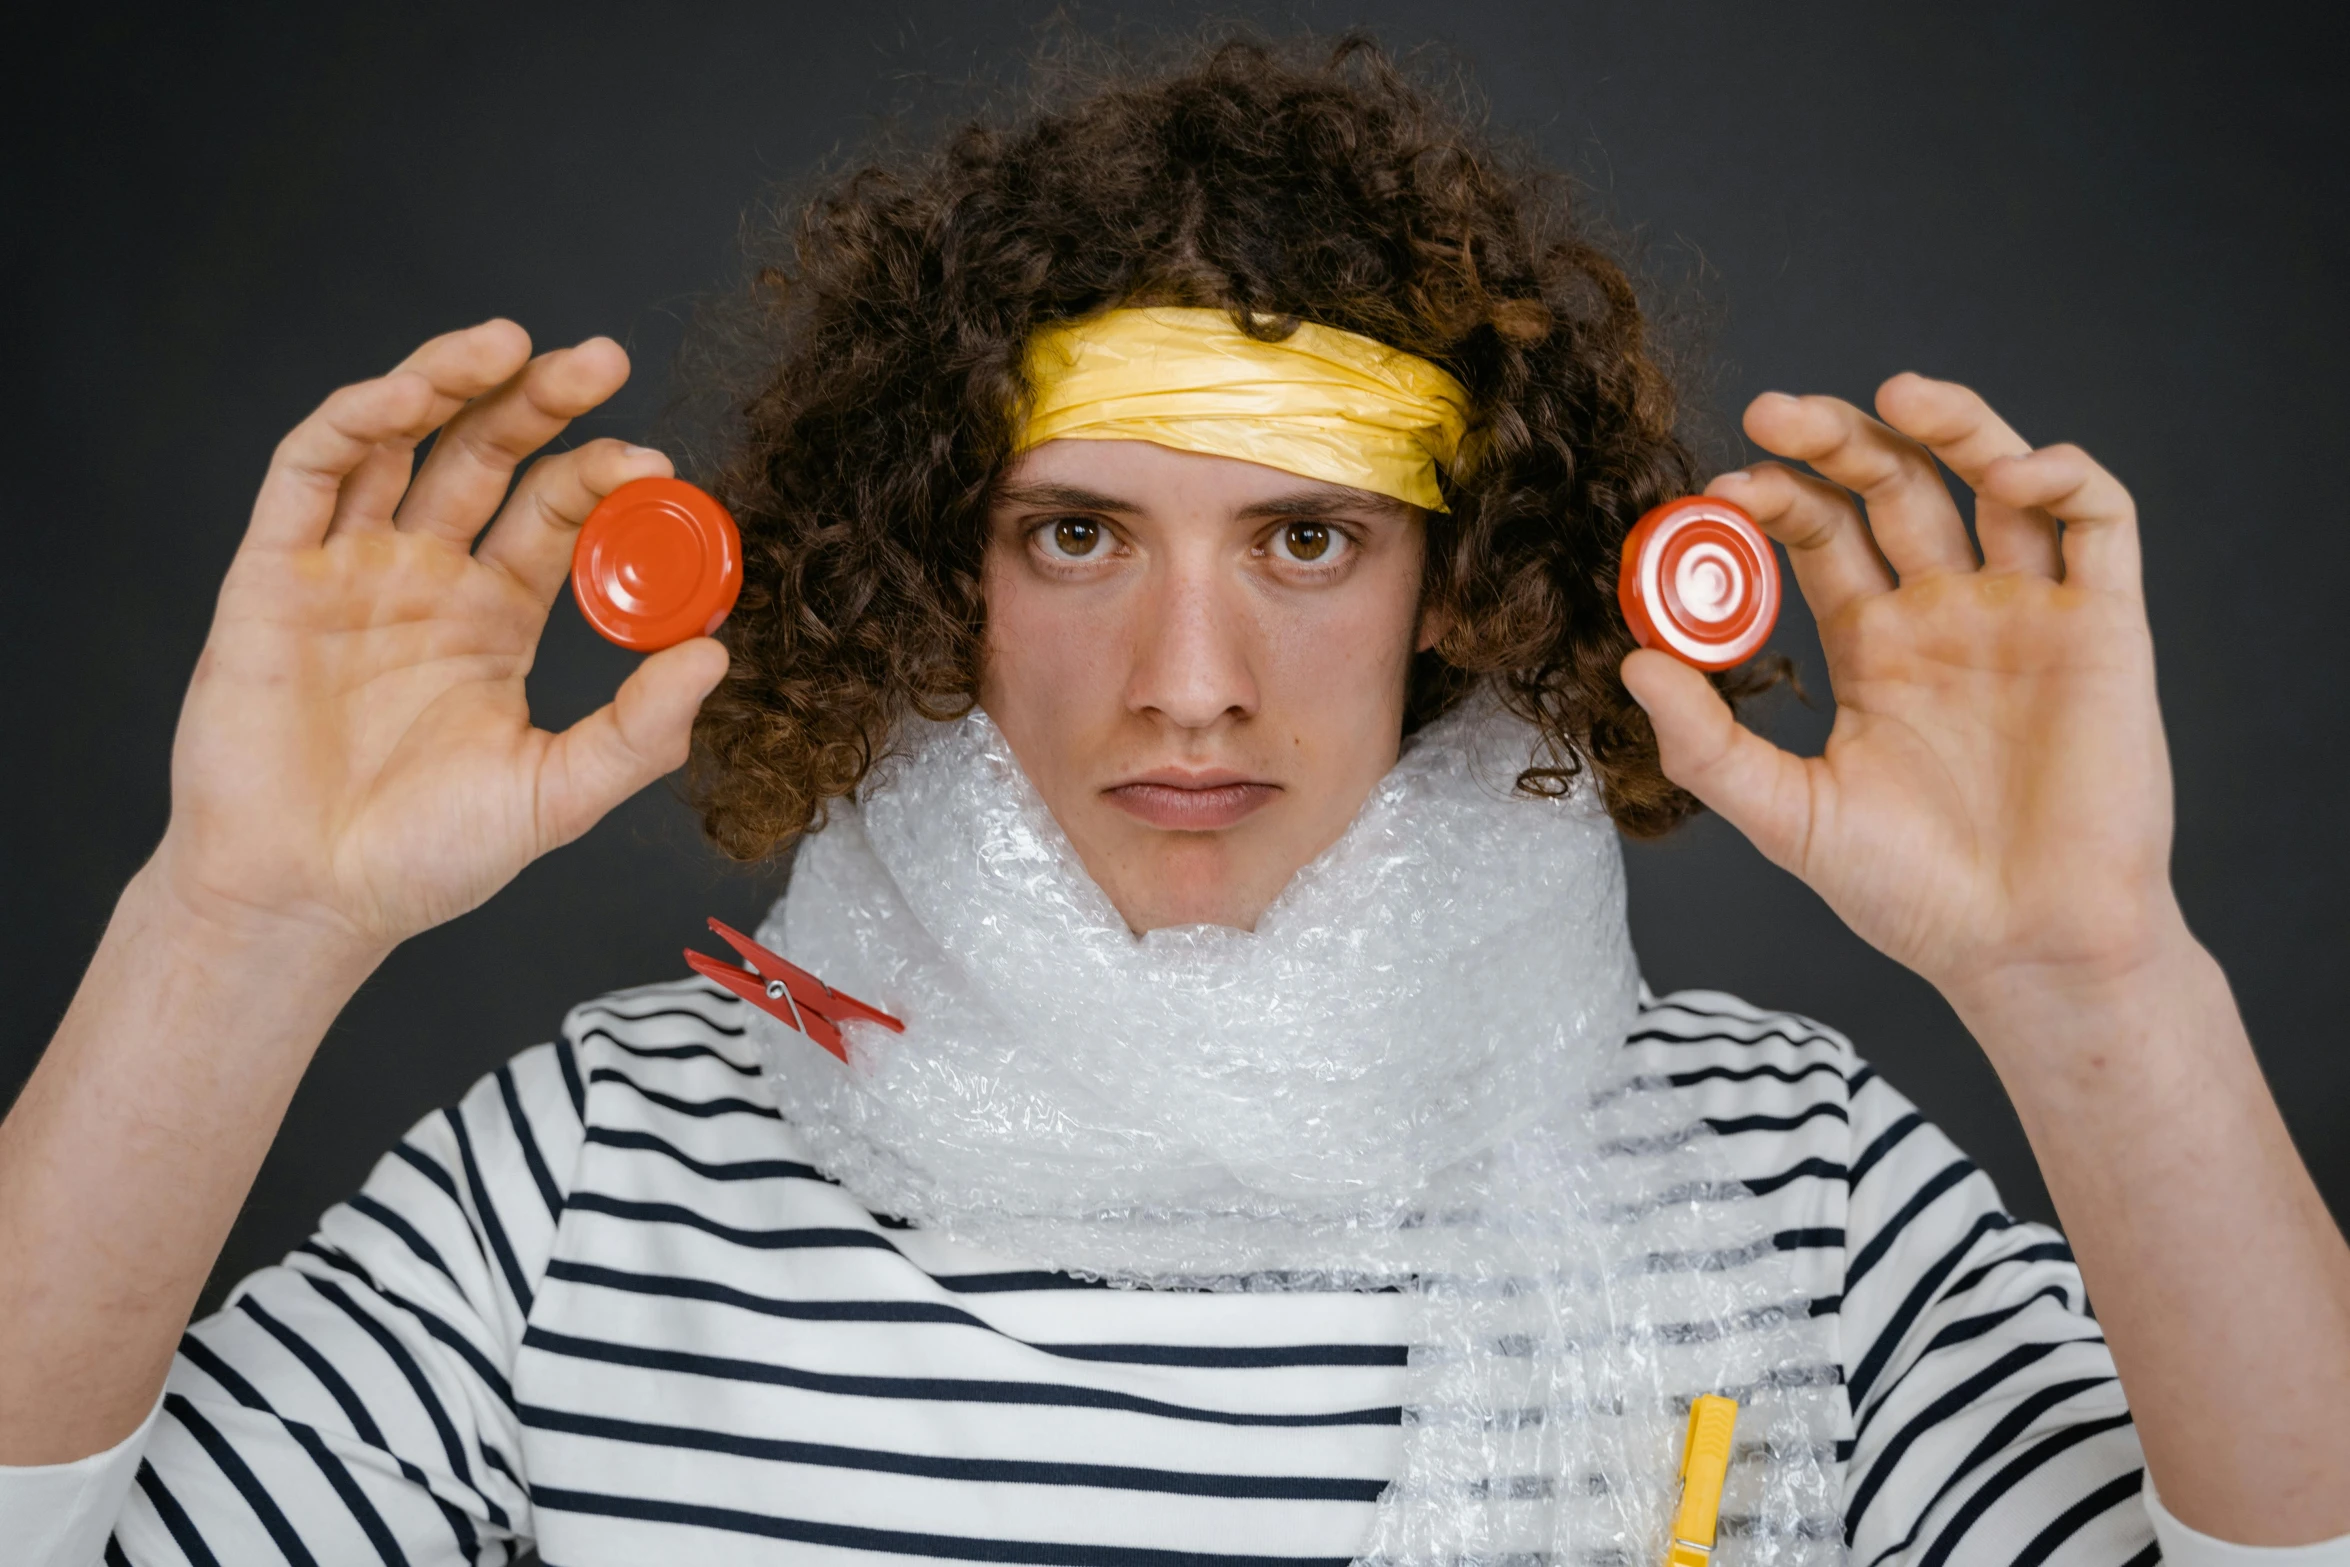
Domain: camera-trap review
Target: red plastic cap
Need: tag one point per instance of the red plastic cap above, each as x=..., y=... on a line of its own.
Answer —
x=657, y=562
x=1699, y=581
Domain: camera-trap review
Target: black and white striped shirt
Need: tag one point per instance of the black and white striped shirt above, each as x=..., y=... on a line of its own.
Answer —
x=604, y=1305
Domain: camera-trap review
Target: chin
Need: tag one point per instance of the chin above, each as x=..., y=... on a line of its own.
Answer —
x=1192, y=879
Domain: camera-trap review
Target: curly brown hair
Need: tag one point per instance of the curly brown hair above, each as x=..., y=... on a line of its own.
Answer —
x=1280, y=185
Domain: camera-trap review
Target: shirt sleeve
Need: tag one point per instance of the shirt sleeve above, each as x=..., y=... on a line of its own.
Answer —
x=1988, y=1424
x=2185, y=1547
x=61, y=1513
x=354, y=1402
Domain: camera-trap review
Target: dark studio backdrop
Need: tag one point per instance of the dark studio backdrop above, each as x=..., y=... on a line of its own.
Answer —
x=2125, y=224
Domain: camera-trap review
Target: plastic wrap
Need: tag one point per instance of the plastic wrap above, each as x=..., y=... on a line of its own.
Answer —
x=1319, y=402
x=1409, y=1074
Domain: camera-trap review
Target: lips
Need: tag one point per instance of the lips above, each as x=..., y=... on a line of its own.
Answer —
x=1191, y=802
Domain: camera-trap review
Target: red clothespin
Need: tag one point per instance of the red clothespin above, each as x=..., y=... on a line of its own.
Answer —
x=784, y=990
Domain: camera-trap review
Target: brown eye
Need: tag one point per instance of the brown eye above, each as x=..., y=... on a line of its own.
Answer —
x=1076, y=538
x=1305, y=541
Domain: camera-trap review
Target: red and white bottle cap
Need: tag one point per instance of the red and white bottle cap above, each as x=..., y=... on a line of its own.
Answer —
x=658, y=561
x=1699, y=581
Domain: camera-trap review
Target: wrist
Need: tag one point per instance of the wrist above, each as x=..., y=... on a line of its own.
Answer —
x=2138, y=943
x=174, y=917
x=2064, y=1028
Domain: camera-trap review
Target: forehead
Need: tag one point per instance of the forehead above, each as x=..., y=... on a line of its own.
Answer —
x=1144, y=477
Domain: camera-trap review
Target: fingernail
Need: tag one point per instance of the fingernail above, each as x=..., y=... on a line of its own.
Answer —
x=644, y=451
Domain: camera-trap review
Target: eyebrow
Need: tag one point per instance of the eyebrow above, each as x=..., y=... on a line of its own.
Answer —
x=1320, y=501
x=1332, y=501
x=1074, y=497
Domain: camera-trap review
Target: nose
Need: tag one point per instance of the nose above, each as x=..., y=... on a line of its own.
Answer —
x=1194, y=655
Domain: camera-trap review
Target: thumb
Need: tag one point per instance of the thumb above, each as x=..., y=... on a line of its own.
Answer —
x=1750, y=783
x=631, y=740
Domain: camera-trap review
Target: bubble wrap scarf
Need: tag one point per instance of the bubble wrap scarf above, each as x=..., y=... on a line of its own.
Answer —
x=1409, y=1074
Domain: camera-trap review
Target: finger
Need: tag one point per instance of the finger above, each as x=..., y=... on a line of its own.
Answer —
x=373, y=489
x=463, y=480
x=461, y=366
x=1956, y=425
x=2100, y=519
x=307, y=472
x=1835, y=560
x=1753, y=785
x=631, y=740
x=533, y=537
x=1910, y=513
x=343, y=468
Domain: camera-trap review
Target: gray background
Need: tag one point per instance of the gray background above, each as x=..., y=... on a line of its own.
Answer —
x=2124, y=224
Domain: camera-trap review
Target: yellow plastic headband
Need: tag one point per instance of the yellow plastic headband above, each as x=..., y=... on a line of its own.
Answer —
x=1323, y=403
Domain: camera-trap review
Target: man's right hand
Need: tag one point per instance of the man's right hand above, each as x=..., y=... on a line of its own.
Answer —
x=355, y=762
x=355, y=755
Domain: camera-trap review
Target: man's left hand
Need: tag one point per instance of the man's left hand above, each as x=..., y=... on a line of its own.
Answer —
x=1993, y=805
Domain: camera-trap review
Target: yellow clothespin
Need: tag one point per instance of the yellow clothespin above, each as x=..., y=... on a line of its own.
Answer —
x=1705, y=1464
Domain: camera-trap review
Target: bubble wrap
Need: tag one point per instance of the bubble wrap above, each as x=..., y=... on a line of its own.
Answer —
x=1409, y=1074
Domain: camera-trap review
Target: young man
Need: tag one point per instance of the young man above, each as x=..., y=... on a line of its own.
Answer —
x=1179, y=535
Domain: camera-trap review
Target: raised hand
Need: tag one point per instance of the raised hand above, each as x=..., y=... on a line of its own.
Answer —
x=1994, y=798
x=1993, y=809
x=356, y=750
x=355, y=762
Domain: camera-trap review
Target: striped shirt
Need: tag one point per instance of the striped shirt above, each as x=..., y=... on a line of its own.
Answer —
x=605, y=1305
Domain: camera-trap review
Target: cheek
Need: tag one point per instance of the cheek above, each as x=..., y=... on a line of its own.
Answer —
x=1050, y=657
x=1341, y=658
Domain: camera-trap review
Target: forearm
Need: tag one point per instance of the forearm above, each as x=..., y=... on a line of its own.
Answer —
x=2222, y=1283
x=131, y=1149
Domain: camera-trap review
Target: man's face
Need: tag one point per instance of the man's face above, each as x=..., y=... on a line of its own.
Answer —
x=1200, y=663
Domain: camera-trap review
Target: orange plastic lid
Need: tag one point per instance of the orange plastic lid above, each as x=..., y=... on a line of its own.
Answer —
x=657, y=562
x=1699, y=581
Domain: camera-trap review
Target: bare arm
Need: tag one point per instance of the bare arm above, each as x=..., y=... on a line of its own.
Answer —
x=354, y=763
x=2219, y=1277
x=125, y=1160
x=1993, y=809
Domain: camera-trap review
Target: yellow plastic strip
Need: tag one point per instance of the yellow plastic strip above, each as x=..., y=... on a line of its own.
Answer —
x=1705, y=1464
x=1323, y=403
